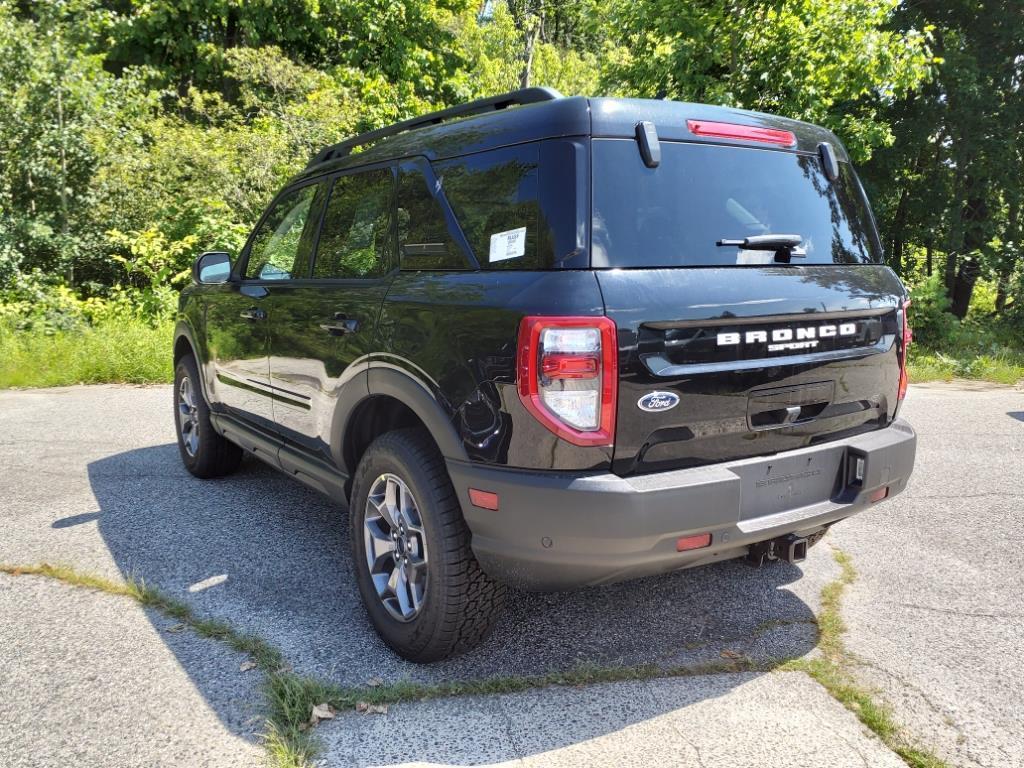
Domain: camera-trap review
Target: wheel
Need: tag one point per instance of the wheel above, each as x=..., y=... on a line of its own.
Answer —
x=420, y=583
x=204, y=452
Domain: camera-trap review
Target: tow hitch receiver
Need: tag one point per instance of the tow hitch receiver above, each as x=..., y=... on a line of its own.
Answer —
x=791, y=548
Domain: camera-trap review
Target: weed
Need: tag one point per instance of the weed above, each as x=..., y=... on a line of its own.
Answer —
x=121, y=350
x=290, y=697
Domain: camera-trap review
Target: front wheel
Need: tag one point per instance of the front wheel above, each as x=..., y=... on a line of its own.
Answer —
x=422, y=587
x=204, y=452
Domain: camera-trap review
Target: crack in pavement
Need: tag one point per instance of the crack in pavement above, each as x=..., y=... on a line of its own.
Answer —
x=955, y=496
x=945, y=716
x=958, y=612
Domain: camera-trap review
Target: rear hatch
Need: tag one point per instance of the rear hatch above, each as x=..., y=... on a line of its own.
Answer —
x=730, y=350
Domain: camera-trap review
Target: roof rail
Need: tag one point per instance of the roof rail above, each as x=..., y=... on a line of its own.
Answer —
x=478, y=107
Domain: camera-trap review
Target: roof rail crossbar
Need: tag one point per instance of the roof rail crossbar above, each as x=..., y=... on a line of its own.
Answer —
x=478, y=107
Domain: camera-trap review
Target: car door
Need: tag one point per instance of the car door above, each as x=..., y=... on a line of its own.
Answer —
x=238, y=320
x=323, y=327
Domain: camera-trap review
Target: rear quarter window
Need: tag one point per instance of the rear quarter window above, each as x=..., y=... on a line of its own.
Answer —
x=495, y=197
x=674, y=215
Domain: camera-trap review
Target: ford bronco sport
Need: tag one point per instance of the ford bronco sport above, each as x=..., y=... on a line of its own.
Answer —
x=551, y=342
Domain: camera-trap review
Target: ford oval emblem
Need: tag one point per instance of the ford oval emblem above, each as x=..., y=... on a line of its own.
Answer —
x=658, y=401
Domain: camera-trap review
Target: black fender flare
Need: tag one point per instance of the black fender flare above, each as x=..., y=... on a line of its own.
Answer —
x=410, y=390
x=182, y=330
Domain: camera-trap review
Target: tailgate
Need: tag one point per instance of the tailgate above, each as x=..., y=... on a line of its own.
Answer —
x=749, y=361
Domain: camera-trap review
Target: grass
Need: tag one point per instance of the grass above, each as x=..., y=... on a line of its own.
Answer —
x=126, y=351
x=264, y=654
x=130, y=351
x=291, y=697
x=1000, y=366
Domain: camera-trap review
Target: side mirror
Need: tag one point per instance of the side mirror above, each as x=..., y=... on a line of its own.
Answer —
x=212, y=268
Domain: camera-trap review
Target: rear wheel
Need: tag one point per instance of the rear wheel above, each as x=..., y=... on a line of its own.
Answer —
x=204, y=452
x=422, y=587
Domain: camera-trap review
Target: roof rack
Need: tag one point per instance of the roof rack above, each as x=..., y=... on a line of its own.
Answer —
x=478, y=107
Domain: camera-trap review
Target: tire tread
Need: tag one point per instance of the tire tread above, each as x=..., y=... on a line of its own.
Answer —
x=473, y=601
x=217, y=456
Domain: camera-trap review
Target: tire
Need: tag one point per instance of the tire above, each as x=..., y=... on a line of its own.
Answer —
x=458, y=603
x=204, y=453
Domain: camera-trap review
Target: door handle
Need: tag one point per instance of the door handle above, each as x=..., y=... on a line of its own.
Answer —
x=340, y=325
x=253, y=313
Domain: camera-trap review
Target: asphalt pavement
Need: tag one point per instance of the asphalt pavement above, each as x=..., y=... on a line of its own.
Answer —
x=90, y=477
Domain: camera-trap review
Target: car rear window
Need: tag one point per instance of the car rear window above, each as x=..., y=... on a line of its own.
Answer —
x=674, y=215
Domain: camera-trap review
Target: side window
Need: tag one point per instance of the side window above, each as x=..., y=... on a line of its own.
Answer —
x=356, y=239
x=495, y=198
x=423, y=238
x=283, y=244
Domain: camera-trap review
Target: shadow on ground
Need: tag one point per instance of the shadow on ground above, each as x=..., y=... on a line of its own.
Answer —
x=271, y=556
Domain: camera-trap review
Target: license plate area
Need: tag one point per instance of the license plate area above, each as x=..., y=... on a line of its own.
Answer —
x=789, y=482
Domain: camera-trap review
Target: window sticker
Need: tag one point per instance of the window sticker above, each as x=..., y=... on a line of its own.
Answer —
x=508, y=245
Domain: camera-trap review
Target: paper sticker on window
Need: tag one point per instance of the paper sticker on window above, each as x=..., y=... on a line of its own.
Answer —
x=508, y=245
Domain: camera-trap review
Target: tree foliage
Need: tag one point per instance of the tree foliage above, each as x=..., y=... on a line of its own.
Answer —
x=141, y=132
x=832, y=63
x=950, y=184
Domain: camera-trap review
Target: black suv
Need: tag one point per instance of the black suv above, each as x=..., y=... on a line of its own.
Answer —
x=553, y=342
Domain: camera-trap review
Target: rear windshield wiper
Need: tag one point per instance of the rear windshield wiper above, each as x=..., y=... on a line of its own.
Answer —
x=786, y=247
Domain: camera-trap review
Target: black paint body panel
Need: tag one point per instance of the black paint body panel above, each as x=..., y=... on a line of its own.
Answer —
x=444, y=342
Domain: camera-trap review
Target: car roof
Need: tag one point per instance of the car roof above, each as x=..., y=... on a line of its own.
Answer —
x=553, y=117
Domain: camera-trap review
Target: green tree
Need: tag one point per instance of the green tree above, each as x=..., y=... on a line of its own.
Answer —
x=187, y=41
x=494, y=44
x=55, y=98
x=950, y=184
x=832, y=63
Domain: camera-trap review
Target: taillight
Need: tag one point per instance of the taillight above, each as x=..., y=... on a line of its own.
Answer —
x=743, y=132
x=568, y=376
x=908, y=336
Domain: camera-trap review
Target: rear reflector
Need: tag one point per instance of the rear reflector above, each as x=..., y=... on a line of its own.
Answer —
x=483, y=499
x=741, y=132
x=908, y=336
x=699, y=541
x=878, y=495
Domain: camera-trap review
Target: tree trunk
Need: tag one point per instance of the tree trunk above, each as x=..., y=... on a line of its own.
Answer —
x=974, y=216
x=529, y=43
x=897, y=256
x=1002, y=289
x=963, y=287
x=949, y=275
x=62, y=149
x=928, y=259
x=232, y=30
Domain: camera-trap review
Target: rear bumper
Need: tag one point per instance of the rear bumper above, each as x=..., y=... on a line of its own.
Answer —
x=559, y=531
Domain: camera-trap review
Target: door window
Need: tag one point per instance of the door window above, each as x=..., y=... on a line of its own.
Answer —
x=423, y=236
x=283, y=243
x=357, y=239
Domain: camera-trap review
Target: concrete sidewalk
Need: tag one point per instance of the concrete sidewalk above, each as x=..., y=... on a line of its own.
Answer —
x=781, y=719
x=90, y=679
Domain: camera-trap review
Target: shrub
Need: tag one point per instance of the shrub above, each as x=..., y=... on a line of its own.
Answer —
x=933, y=325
